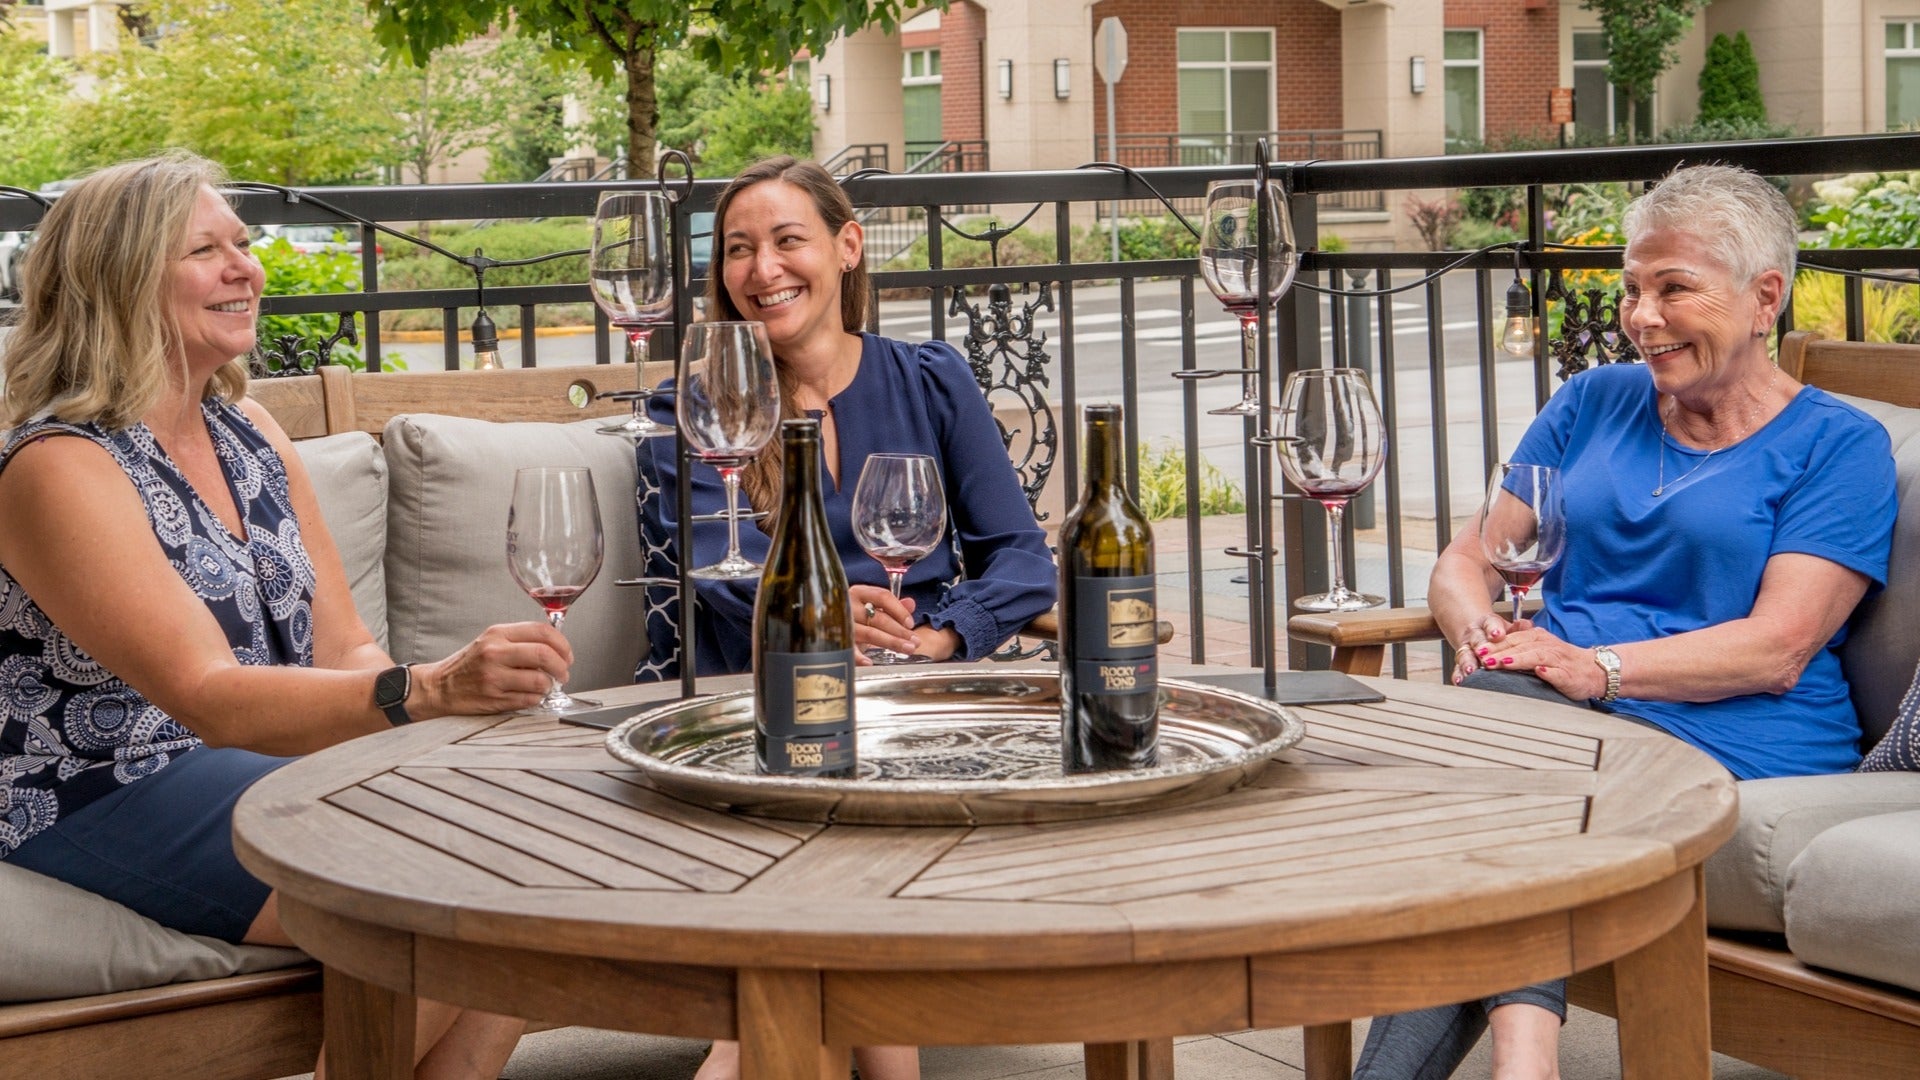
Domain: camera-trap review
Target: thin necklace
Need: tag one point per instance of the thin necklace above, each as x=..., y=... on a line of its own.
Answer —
x=1752, y=412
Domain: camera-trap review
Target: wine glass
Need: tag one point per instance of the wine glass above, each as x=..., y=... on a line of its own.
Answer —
x=1229, y=261
x=899, y=517
x=1523, y=525
x=1331, y=444
x=728, y=402
x=554, y=545
x=632, y=277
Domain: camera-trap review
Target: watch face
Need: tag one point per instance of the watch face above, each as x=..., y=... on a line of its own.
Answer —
x=391, y=686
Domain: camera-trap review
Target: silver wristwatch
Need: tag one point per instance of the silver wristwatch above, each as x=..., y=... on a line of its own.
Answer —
x=1609, y=662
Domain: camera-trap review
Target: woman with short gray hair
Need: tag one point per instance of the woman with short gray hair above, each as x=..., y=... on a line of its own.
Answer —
x=1723, y=520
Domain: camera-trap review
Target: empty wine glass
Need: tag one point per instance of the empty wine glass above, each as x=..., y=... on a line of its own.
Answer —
x=1523, y=525
x=899, y=517
x=728, y=401
x=632, y=276
x=1331, y=444
x=554, y=545
x=1230, y=260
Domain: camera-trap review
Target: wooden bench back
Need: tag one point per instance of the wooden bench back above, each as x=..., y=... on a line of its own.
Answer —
x=1868, y=369
x=338, y=400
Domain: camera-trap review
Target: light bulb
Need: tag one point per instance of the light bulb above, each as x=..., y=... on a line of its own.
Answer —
x=1517, y=338
x=486, y=343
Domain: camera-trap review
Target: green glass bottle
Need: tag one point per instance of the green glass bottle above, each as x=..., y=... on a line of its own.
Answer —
x=803, y=716
x=1109, y=639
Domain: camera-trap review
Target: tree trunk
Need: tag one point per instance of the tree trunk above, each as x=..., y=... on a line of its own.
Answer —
x=1633, y=120
x=643, y=113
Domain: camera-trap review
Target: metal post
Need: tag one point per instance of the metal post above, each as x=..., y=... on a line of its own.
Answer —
x=1359, y=354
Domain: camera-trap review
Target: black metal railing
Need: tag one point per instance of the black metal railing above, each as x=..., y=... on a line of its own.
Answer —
x=1119, y=330
x=1179, y=149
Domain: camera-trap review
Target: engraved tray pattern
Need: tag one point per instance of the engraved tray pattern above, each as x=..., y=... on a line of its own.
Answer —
x=957, y=747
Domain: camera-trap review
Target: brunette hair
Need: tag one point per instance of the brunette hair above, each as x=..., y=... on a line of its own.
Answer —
x=96, y=337
x=761, y=478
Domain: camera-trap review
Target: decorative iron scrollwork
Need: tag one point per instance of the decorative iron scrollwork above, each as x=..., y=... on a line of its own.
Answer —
x=288, y=355
x=1589, y=329
x=1009, y=359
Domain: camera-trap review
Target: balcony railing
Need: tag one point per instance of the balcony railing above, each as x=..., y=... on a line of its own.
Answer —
x=1119, y=331
x=1176, y=149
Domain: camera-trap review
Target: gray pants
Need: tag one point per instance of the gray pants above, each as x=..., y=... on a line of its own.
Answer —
x=1428, y=1044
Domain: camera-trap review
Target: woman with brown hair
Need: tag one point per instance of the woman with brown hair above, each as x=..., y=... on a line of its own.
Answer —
x=788, y=252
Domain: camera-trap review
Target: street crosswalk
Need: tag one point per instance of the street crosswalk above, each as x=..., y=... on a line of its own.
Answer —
x=1156, y=327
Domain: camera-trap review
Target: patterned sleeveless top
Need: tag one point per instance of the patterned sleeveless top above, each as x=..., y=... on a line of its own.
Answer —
x=70, y=731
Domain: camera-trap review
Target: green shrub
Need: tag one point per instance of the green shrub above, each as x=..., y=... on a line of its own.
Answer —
x=411, y=267
x=1730, y=82
x=1474, y=233
x=1867, y=210
x=1163, y=485
x=295, y=273
x=1726, y=131
x=1889, y=312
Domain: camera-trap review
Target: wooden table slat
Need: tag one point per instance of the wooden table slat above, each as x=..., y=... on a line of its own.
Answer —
x=1356, y=779
x=1358, y=728
x=509, y=863
x=865, y=861
x=700, y=826
x=1477, y=737
x=578, y=858
x=1541, y=730
x=1247, y=804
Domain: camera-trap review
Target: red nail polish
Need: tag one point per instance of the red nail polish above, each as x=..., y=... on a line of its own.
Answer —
x=1506, y=660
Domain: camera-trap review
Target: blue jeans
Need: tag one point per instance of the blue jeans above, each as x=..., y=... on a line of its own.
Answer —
x=1428, y=1044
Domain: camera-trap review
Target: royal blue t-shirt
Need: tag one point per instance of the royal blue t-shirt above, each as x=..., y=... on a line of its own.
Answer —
x=1818, y=479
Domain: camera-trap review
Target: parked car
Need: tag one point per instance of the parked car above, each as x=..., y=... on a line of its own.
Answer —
x=311, y=238
x=13, y=252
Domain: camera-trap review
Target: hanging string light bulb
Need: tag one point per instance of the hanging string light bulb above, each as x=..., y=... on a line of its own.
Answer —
x=1516, y=339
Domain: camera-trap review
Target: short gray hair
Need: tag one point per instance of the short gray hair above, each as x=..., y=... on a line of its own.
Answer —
x=1744, y=222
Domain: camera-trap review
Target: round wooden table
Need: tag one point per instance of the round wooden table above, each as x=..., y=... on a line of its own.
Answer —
x=1440, y=845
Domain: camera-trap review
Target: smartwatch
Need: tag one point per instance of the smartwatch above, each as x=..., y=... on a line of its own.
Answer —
x=390, y=690
x=1609, y=662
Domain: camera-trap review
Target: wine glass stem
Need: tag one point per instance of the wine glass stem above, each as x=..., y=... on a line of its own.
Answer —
x=895, y=578
x=1249, y=352
x=732, y=479
x=1336, y=513
x=1519, y=594
x=637, y=346
x=556, y=619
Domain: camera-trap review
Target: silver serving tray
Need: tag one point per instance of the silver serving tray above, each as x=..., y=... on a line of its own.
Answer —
x=957, y=747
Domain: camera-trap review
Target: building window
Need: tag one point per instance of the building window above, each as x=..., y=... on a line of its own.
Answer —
x=920, y=100
x=1600, y=108
x=1466, y=111
x=1226, y=89
x=1903, y=74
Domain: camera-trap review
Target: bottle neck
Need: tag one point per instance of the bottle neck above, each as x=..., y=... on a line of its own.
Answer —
x=800, y=465
x=1103, y=452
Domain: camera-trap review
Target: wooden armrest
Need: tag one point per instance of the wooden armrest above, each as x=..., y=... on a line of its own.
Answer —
x=1046, y=626
x=1359, y=639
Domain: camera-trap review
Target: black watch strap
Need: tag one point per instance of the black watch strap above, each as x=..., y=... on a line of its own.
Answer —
x=390, y=690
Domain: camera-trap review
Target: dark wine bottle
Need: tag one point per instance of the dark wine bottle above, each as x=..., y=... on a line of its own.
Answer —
x=803, y=629
x=1109, y=638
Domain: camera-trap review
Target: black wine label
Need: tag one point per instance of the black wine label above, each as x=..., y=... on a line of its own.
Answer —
x=1116, y=635
x=808, y=715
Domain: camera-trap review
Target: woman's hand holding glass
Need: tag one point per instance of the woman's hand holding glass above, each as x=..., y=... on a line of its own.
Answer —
x=899, y=517
x=554, y=545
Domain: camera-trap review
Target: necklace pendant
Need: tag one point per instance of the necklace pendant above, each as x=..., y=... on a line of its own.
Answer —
x=1659, y=490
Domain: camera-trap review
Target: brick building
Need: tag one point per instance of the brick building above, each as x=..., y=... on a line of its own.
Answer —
x=1326, y=78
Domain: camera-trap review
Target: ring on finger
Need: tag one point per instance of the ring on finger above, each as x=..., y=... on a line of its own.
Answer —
x=870, y=610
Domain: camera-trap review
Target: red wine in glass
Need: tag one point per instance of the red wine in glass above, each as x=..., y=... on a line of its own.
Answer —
x=1523, y=526
x=630, y=271
x=899, y=517
x=1331, y=444
x=554, y=546
x=1230, y=261
x=728, y=403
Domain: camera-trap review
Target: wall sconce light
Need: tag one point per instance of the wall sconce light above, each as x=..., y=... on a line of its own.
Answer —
x=1062, y=79
x=1417, y=74
x=823, y=92
x=1005, y=79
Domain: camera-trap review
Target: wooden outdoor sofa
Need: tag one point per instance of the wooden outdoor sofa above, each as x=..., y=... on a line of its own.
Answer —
x=1769, y=1006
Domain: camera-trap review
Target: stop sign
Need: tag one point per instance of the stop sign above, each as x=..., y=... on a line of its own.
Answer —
x=1110, y=49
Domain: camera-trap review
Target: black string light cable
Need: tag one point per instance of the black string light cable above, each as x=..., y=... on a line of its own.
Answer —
x=8, y=189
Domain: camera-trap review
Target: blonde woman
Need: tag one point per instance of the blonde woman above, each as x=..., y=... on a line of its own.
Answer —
x=174, y=618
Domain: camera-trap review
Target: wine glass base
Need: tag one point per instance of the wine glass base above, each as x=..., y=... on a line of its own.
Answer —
x=557, y=702
x=1243, y=407
x=728, y=570
x=1338, y=601
x=885, y=657
x=635, y=430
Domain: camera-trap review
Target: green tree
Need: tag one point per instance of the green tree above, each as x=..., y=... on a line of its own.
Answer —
x=1730, y=81
x=278, y=90
x=627, y=36
x=33, y=92
x=727, y=123
x=490, y=92
x=1640, y=36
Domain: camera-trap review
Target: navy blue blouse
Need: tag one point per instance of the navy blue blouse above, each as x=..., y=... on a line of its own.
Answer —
x=70, y=731
x=906, y=398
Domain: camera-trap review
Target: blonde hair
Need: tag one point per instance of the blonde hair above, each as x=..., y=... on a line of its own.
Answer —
x=761, y=478
x=96, y=341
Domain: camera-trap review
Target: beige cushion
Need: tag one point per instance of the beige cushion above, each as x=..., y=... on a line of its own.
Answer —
x=1850, y=900
x=62, y=942
x=1885, y=641
x=449, y=481
x=1779, y=818
x=350, y=479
